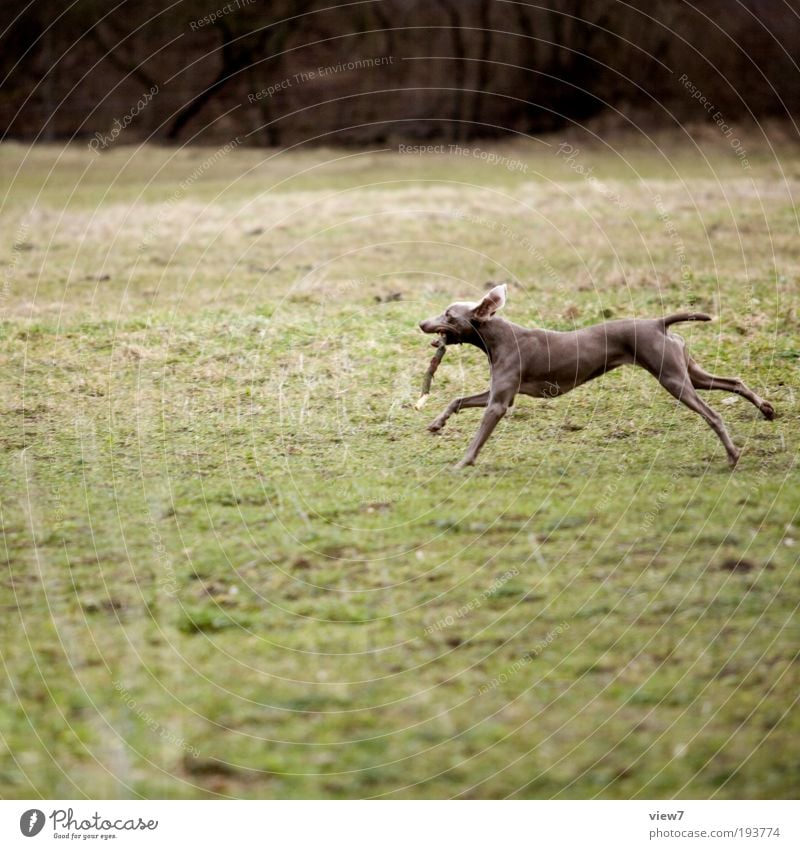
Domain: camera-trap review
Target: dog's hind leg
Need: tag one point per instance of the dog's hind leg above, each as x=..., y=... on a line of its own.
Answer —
x=669, y=364
x=681, y=387
x=701, y=379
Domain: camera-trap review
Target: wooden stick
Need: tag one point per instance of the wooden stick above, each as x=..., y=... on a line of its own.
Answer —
x=432, y=366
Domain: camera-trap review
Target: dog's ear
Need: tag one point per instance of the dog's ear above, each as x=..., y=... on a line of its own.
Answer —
x=493, y=301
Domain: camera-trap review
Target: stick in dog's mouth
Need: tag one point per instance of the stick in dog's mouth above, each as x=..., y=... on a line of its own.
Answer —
x=441, y=347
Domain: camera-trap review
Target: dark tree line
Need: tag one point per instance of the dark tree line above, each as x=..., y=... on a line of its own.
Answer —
x=282, y=71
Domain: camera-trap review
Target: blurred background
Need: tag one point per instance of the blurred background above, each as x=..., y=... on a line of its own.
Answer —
x=388, y=71
x=236, y=563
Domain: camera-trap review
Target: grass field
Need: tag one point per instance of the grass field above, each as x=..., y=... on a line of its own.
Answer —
x=238, y=565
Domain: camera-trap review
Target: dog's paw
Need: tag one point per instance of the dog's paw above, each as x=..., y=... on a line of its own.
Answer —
x=462, y=464
x=768, y=411
x=435, y=426
x=733, y=458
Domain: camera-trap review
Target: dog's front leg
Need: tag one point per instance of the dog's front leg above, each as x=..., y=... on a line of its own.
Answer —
x=479, y=400
x=495, y=410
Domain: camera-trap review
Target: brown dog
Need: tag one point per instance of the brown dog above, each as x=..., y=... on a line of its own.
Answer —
x=546, y=363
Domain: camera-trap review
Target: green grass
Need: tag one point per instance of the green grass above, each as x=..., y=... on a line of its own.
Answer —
x=238, y=565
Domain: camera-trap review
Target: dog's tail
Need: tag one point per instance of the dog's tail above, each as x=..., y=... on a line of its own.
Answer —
x=684, y=316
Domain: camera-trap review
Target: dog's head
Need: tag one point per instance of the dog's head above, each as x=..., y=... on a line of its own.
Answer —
x=461, y=321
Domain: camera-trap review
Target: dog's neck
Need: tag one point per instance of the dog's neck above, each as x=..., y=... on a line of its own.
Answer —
x=494, y=335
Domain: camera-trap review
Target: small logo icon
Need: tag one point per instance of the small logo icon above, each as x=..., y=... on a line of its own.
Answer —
x=31, y=822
